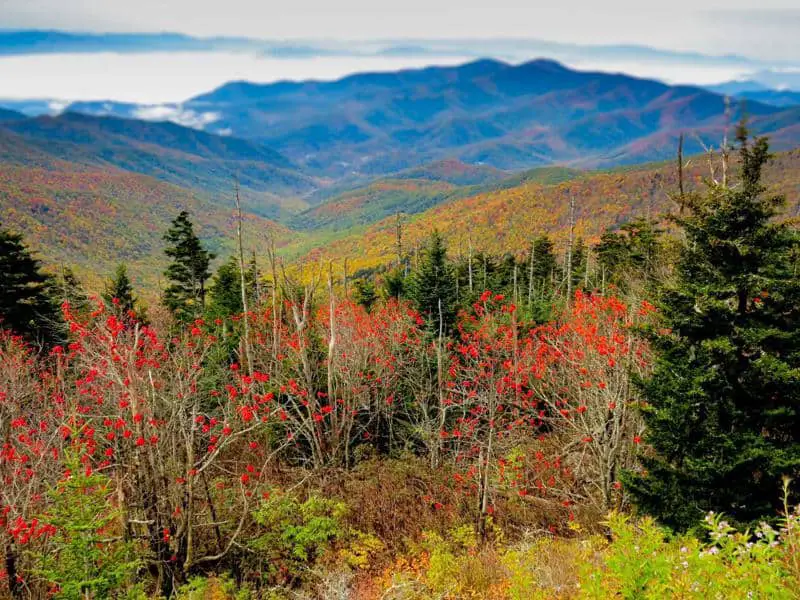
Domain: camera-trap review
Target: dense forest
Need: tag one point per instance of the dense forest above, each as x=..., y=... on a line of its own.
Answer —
x=612, y=414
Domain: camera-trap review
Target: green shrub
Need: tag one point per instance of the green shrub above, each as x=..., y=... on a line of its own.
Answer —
x=295, y=534
x=86, y=556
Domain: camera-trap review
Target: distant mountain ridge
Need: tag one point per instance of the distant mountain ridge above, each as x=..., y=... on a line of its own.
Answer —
x=486, y=112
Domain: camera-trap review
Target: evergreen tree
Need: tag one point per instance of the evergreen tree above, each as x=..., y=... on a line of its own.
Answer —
x=432, y=287
x=225, y=293
x=365, y=293
x=119, y=291
x=544, y=260
x=27, y=306
x=629, y=252
x=394, y=284
x=188, y=272
x=69, y=289
x=722, y=403
x=578, y=264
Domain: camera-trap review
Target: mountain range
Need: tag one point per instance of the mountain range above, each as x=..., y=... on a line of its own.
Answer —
x=485, y=112
x=320, y=163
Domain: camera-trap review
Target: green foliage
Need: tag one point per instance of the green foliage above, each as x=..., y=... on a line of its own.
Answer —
x=86, y=557
x=723, y=398
x=68, y=288
x=27, y=306
x=629, y=252
x=294, y=533
x=544, y=261
x=394, y=284
x=119, y=290
x=188, y=271
x=225, y=293
x=364, y=293
x=201, y=588
x=643, y=562
x=432, y=286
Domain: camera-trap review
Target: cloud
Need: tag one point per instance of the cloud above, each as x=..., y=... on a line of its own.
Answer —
x=176, y=114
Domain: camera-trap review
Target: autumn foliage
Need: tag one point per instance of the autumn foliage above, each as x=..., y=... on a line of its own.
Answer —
x=510, y=413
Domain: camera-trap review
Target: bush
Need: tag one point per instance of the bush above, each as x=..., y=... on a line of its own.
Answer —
x=87, y=556
x=295, y=534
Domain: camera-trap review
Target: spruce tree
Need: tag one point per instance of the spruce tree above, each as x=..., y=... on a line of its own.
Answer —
x=27, y=306
x=630, y=252
x=119, y=290
x=722, y=403
x=365, y=293
x=225, y=294
x=544, y=260
x=188, y=272
x=394, y=284
x=70, y=289
x=432, y=286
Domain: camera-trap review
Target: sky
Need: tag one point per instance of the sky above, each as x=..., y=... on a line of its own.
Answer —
x=767, y=33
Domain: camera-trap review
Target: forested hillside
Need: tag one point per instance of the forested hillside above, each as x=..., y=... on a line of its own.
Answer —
x=493, y=331
x=94, y=219
x=548, y=390
x=169, y=152
x=507, y=219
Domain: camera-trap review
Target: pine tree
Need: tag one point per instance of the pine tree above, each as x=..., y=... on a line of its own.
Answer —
x=544, y=260
x=69, y=289
x=365, y=293
x=578, y=263
x=394, y=284
x=27, y=306
x=119, y=291
x=225, y=293
x=722, y=403
x=188, y=272
x=432, y=287
x=629, y=252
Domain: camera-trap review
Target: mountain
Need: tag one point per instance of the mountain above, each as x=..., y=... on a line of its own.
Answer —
x=483, y=113
x=773, y=97
x=95, y=218
x=416, y=190
x=48, y=41
x=7, y=115
x=170, y=152
x=735, y=88
x=505, y=220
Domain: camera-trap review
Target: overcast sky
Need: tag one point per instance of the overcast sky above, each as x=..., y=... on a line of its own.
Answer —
x=768, y=33
x=766, y=29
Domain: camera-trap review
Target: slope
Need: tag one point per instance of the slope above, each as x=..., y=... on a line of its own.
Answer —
x=434, y=184
x=94, y=219
x=506, y=220
x=167, y=151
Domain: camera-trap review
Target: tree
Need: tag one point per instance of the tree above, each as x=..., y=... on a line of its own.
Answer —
x=432, y=287
x=70, y=289
x=722, y=402
x=225, y=293
x=365, y=293
x=544, y=260
x=188, y=272
x=84, y=559
x=119, y=291
x=629, y=252
x=26, y=304
x=394, y=284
